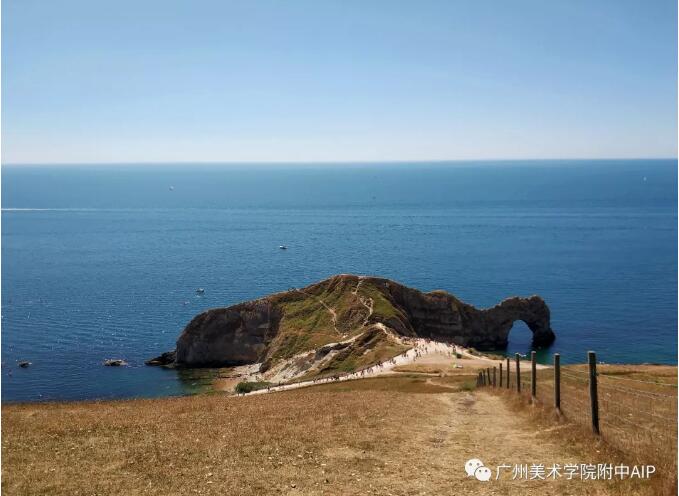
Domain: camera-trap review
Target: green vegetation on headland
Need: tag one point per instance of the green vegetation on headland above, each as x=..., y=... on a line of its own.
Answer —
x=344, y=324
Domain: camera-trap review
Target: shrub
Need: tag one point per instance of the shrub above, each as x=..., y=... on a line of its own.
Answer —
x=248, y=387
x=468, y=386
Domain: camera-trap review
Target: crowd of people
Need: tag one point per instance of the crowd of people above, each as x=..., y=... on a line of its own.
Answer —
x=420, y=347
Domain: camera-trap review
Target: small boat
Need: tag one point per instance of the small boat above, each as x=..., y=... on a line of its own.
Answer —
x=200, y=291
x=282, y=247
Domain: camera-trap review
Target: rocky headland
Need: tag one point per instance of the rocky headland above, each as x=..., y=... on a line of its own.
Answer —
x=345, y=323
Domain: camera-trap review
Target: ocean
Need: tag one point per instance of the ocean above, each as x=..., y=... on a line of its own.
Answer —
x=104, y=261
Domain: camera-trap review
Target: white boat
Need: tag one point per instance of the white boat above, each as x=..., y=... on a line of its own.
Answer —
x=200, y=291
x=282, y=247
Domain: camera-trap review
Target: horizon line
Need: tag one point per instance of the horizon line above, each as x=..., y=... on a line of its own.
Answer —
x=329, y=162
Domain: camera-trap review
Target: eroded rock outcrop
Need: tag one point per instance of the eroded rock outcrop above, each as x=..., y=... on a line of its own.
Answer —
x=440, y=316
x=236, y=335
x=342, y=309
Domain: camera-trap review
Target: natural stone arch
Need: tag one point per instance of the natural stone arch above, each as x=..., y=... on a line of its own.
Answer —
x=499, y=320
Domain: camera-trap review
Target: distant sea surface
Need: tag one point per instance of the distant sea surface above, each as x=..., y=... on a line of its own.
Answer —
x=104, y=261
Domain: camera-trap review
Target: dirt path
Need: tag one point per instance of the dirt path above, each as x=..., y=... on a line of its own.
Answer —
x=422, y=348
x=475, y=425
x=347, y=439
x=367, y=302
x=423, y=354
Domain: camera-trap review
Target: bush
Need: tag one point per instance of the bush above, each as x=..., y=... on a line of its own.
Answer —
x=468, y=386
x=248, y=387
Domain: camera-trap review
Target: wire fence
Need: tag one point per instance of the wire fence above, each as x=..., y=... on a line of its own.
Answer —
x=631, y=408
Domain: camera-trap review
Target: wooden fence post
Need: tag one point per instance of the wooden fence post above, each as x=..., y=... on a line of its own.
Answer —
x=593, y=394
x=518, y=373
x=533, y=377
x=494, y=376
x=557, y=383
x=500, y=374
x=488, y=375
x=509, y=372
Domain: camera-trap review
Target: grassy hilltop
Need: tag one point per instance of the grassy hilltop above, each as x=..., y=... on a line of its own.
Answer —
x=344, y=324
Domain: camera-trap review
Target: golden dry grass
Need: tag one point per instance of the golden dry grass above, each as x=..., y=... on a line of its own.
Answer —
x=425, y=368
x=445, y=366
x=397, y=435
x=404, y=383
x=200, y=445
x=637, y=409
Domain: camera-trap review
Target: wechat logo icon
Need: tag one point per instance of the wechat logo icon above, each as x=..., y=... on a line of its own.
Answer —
x=475, y=468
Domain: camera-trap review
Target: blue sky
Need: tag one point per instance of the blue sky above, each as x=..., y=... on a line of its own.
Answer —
x=321, y=80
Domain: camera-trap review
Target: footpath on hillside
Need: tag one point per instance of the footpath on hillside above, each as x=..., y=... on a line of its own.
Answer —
x=394, y=435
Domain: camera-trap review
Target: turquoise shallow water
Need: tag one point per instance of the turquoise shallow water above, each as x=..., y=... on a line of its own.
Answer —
x=103, y=262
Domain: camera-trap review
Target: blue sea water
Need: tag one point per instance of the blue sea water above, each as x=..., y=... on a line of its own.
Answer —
x=103, y=261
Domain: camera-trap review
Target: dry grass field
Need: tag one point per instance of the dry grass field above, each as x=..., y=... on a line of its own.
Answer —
x=637, y=410
x=398, y=435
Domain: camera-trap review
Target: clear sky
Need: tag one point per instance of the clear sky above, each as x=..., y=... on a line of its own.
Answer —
x=305, y=80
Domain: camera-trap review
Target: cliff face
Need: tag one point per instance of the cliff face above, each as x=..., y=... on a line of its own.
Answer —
x=236, y=335
x=442, y=317
x=344, y=309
